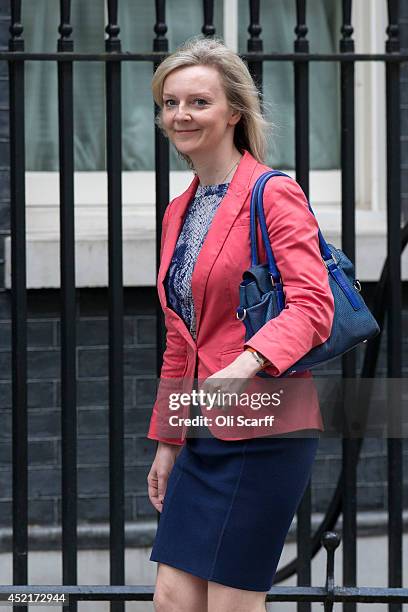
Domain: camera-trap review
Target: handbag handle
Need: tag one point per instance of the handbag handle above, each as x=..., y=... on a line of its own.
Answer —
x=257, y=208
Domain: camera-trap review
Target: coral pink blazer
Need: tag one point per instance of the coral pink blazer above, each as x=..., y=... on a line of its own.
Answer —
x=304, y=323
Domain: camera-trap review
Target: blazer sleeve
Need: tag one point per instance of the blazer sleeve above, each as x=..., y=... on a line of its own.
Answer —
x=307, y=318
x=172, y=367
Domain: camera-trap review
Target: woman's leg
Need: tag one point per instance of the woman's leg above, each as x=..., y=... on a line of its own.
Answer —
x=178, y=591
x=222, y=598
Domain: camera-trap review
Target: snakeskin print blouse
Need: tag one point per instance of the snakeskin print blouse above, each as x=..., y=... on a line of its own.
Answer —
x=196, y=224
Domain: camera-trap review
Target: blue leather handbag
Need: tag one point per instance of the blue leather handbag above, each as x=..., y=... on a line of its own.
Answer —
x=262, y=298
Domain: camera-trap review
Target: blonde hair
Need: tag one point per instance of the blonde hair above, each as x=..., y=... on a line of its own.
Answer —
x=241, y=92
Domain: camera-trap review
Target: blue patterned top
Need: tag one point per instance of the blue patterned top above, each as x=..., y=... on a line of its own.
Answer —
x=196, y=224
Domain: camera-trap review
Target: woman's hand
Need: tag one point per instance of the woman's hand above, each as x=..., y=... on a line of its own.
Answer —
x=235, y=377
x=162, y=465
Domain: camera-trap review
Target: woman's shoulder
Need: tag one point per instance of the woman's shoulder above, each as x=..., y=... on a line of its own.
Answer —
x=282, y=187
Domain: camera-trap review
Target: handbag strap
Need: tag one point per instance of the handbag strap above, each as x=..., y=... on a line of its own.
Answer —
x=256, y=208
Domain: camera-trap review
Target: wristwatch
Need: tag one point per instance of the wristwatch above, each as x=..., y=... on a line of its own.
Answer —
x=262, y=361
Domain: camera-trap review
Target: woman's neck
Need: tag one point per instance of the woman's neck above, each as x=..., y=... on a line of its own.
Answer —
x=217, y=169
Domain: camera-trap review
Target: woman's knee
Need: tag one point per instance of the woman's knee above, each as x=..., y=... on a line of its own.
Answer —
x=222, y=598
x=179, y=591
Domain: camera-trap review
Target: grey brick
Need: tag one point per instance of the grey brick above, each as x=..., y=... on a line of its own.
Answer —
x=4, y=8
x=93, y=508
x=404, y=121
x=4, y=185
x=129, y=330
x=136, y=479
x=4, y=31
x=41, y=394
x=5, y=422
x=44, y=482
x=404, y=180
x=403, y=30
x=3, y=69
x=96, y=509
x=44, y=423
x=43, y=304
x=5, y=483
x=329, y=447
x=42, y=511
x=5, y=514
x=372, y=470
x=373, y=446
x=5, y=304
x=5, y=365
x=5, y=336
x=95, y=332
x=139, y=361
x=40, y=333
x=137, y=421
x=92, y=362
x=129, y=389
x=43, y=364
x=93, y=481
x=4, y=118
x=321, y=497
x=93, y=303
x=92, y=392
x=40, y=390
x=42, y=452
x=94, y=421
x=372, y=496
x=326, y=470
x=146, y=330
x=5, y=395
x=5, y=216
x=404, y=149
x=4, y=88
x=144, y=507
x=5, y=453
x=146, y=391
x=96, y=392
x=93, y=451
x=92, y=332
x=4, y=151
x=141, y=301
x=143, y=451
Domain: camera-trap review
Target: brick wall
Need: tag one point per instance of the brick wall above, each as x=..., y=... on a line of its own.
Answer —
x=404, y=109
x=92, y=364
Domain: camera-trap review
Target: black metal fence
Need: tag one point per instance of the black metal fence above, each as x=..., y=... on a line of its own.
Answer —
x=387, y=299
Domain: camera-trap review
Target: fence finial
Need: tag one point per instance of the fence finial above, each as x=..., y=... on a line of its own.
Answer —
x=208, y=28
x=392, y=45
x=346, y=42
x=160, y=43
x=331, y=541
x=301, y=29
x=65, y=43
x=112, y=29
x=16, y=42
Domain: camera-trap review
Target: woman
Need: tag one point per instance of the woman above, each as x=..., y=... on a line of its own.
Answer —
x=227, y=501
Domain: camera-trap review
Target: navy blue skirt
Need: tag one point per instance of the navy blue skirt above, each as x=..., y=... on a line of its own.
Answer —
x=228, y=507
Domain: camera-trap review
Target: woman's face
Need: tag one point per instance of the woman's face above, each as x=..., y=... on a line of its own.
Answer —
x=196, y=115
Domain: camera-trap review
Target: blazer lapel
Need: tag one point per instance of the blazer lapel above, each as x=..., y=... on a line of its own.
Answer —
x=228, y=210
x=175, y=223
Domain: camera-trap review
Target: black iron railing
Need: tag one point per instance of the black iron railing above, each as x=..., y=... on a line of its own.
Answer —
x=387, y=299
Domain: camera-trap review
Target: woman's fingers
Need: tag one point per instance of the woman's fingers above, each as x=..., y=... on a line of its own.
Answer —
x=153, y=489
x=162, y=485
